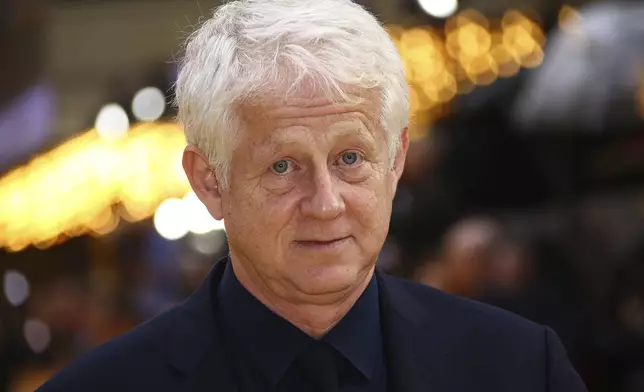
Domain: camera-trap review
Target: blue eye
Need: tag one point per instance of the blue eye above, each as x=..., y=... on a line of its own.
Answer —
x=350, y=158
x=281, y=167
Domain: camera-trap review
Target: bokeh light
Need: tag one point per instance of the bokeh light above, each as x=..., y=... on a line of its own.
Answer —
x=37, y=335
x=170, y=219
x=209, y=243
x=200, y=220
x=568, y=17
x=112, y=122
x=92, y=183
x=116, y=172
x=439, y=8
x=16, y=287
x=148, y=104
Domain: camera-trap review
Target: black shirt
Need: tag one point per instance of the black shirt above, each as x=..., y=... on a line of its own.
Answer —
x=264, y=345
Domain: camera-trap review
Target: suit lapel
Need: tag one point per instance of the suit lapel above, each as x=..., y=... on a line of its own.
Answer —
x=411, y=340
x=195, y=348
x=414, y=341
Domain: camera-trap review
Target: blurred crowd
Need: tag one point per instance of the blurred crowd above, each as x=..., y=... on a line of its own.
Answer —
x=525, y=193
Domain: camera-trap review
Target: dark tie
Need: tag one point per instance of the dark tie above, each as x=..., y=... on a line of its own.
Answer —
x=318, y=364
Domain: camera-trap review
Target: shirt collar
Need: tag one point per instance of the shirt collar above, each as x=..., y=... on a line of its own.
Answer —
x=273, y=343
x=357, y=336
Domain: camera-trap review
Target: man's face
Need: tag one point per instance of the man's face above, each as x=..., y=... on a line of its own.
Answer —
x=309, y=200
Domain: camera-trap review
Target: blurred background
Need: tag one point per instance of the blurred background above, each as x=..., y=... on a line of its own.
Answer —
x=524, y=186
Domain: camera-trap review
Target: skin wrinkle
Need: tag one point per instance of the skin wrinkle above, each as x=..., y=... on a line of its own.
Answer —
x=268, y=216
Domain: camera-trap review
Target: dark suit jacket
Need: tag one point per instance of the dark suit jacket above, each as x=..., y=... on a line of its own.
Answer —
x=434, y=342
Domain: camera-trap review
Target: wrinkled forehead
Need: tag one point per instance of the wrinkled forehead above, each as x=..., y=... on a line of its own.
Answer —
x=304, y=122
x=278, y=105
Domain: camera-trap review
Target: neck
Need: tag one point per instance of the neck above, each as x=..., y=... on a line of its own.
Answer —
x=315, y=315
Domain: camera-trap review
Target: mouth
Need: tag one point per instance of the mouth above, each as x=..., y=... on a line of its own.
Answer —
x=323, y=244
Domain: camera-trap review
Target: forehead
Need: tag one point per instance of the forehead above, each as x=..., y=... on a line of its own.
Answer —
x=274, y=112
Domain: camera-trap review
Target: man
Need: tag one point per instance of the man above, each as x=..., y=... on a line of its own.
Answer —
x=295, y=113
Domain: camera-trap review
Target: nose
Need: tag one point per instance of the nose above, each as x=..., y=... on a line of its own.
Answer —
x=324, y=201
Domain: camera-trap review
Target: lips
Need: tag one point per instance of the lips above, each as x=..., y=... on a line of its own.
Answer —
x=322, y=242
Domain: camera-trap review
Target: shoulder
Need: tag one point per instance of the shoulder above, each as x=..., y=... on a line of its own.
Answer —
x=136, y=357
x=467, y=317
x=458, y=333
x=495, y=348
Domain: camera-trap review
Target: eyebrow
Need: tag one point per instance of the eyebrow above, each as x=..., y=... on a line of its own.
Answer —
x=278, y=141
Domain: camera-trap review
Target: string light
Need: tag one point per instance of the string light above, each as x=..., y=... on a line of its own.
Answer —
x=472, y=50
x=116, y=172
x=84, y=178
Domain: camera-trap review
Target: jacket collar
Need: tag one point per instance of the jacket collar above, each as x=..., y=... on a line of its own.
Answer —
x=195, y=346
x=415, y=335
x=412, y=335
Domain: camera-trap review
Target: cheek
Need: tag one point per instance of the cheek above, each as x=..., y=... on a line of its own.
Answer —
x=371, y=208
x=260, y=216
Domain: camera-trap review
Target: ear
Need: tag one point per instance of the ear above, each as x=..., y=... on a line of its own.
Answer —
x=399, y=161
x=203, y=180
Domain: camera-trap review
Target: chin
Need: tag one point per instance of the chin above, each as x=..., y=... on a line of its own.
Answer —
x=323, y=279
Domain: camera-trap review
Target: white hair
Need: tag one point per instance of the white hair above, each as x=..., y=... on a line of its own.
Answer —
x=251, y=48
